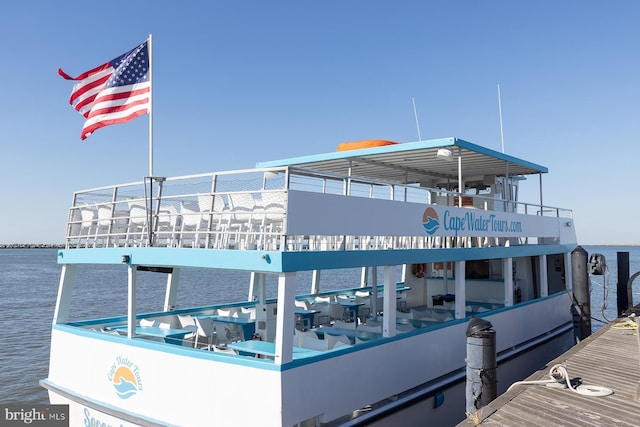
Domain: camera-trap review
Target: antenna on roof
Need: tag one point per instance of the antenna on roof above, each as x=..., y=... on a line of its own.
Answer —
x=415, y=113
x=500, y=112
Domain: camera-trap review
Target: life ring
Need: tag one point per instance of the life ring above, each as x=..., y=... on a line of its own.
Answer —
x=419, y=270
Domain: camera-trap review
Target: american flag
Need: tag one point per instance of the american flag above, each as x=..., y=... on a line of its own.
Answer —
x=114, y=92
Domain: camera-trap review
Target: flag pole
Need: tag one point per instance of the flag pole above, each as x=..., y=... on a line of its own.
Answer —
x=150, y=108
x=150, y=204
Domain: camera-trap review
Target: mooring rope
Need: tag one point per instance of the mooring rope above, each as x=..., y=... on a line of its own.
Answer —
x=625, y=325
x=559, y=375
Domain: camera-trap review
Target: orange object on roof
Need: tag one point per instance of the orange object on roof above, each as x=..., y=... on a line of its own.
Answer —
x=367, y=143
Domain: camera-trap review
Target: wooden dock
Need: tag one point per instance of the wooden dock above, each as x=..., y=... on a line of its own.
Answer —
x=610, y=358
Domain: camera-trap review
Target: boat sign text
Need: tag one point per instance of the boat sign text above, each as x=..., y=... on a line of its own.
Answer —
x=471, y=221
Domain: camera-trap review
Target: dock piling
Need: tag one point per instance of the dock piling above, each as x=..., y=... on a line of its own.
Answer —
x=481, y=387
x=581, y=295
x=623, y=277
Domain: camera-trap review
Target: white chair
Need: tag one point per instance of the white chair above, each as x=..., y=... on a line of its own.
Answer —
x=364, y=310
x=374, y=322
x=229, y=312
x=148, y=322
x=336, y=311
x=137, y=221
x=404, y=327
x=112, y=223
x=247, y=313
x=302, y=304
x=191, y=224
x=322, y=305
x=404, y=315
x=226, y=332
x=344, y=325
x=314, y=344
x=340, y=344
x=167, y=225
x=187, y=322
x=273, y=204
x=242, y=207
x=75, y=223
x=241, y=314
x=104, y=221
x=212, y=207
x=206, y=330
x=336, y=341
x=223, y=349
x=88, y=222
x=300, y=336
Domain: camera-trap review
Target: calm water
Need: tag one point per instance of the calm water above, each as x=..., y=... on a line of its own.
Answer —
x=29, y=284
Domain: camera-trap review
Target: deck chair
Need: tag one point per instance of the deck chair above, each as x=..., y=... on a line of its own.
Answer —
x=148, y=322
x=137, y=221
x=206, y=332
x=314, y=344
x=300, y=336
x=336, y=341
x=188, y=322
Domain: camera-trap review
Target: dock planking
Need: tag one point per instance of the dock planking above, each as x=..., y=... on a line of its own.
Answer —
x=609, y=358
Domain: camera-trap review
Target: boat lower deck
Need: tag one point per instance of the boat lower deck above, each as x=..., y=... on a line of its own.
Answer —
x=316, y=384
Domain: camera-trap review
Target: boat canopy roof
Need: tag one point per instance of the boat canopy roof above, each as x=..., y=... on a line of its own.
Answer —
x=413, y=162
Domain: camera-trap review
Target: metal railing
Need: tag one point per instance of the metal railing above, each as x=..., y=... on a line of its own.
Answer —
x=247, y=209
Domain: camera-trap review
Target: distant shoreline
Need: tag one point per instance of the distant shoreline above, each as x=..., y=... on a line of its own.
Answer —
x=61, y=245
x=31, y=245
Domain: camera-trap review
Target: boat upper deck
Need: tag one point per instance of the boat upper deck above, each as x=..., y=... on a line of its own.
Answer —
x=401, y=196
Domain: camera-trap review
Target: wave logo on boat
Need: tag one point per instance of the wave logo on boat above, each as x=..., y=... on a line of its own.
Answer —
x=430, y=221
x=125, y=377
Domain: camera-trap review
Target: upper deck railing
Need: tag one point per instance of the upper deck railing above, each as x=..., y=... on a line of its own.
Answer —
x=248, y=209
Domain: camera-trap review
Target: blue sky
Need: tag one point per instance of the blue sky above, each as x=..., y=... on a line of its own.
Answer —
x=246, y=81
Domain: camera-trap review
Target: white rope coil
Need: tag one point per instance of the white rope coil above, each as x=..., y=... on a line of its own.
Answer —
x=559, y=375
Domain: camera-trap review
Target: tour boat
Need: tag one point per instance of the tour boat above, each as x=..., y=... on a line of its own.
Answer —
x=359, y=269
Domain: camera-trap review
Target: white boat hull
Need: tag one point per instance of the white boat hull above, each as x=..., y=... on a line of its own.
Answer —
x=182, y=386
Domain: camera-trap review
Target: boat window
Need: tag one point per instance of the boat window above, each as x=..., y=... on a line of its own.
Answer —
x=478, y=269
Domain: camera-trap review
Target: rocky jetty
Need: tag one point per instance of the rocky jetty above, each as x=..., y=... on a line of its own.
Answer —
x=31, y=245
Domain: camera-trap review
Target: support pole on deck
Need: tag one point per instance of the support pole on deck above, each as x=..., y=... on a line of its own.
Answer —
x=482, y=364
x=132, y=272
x=389, y=304
x=460, y=287
x=172, y=290
x=65, y=291
x=285, y=318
